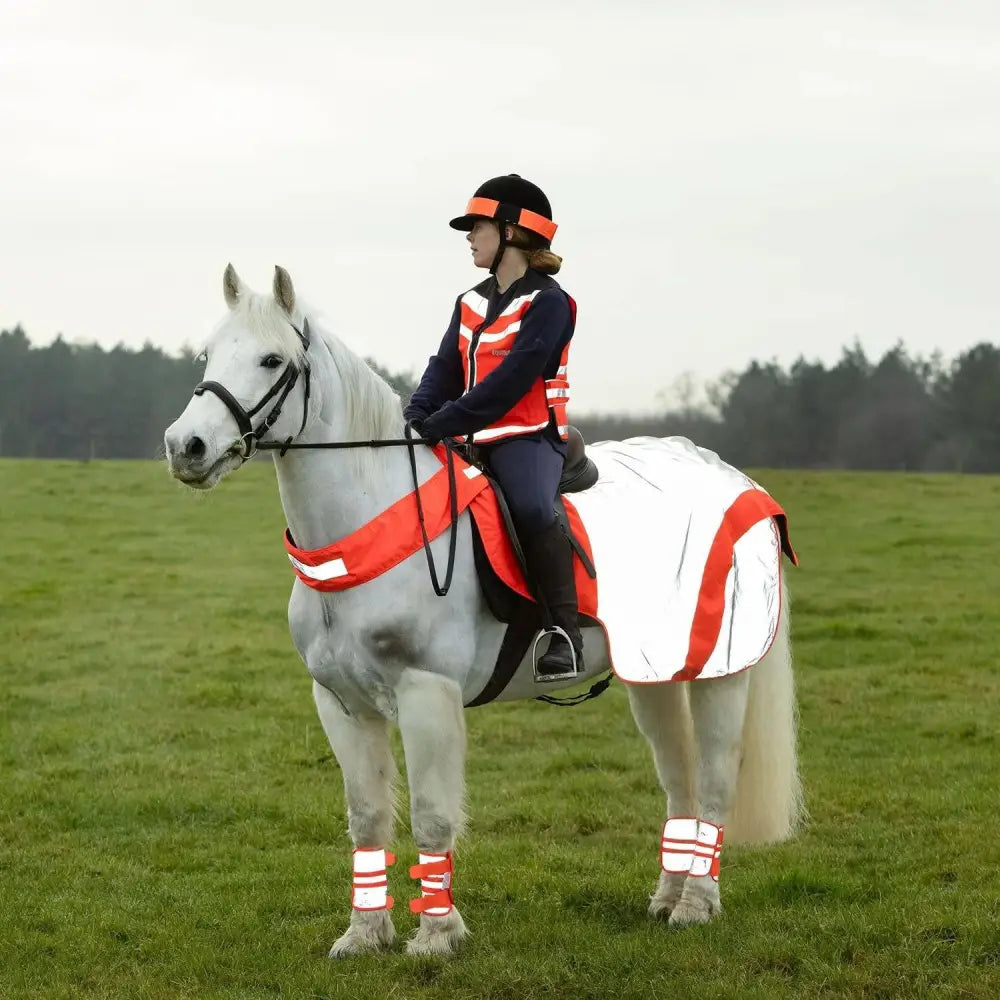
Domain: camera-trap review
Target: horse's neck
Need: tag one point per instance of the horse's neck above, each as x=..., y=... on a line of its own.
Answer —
x=325, y=494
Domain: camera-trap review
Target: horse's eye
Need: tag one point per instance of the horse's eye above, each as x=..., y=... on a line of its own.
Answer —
x=271, y=361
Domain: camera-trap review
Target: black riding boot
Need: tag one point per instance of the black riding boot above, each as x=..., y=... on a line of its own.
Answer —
x=550, y=563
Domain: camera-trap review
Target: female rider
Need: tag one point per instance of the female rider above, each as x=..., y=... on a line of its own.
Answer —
x=499, y=381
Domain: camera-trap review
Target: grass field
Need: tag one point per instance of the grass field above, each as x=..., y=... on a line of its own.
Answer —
x=172, y=822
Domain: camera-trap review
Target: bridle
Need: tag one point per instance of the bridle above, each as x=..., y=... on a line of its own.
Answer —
x=250, y=443
x=250, y=437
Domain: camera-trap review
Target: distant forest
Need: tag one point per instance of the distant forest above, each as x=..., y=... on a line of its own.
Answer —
x=898, y=412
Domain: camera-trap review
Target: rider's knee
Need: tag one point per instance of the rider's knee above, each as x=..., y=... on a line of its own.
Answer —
x=532, y=518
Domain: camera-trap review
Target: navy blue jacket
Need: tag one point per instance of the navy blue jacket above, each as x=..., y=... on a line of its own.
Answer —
x=546, y=328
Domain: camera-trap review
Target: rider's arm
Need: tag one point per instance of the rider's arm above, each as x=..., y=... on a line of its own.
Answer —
x=442, y=379
x=545, y=329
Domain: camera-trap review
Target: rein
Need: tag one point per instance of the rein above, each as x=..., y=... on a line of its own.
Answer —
x=251, y=443
x=409, y=442
x=571, y=701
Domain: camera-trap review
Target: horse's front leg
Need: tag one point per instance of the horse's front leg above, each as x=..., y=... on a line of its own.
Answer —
x=361, y=746
x=432, y=723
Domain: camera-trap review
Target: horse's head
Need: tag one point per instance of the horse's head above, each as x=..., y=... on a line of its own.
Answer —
x=256, y=384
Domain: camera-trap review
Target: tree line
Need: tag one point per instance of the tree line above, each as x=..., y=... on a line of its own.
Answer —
x=898, y=412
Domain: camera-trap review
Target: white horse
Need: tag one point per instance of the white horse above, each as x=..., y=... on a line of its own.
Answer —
x=390, y=651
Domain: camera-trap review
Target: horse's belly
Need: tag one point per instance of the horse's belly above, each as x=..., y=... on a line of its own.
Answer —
x=522, y=685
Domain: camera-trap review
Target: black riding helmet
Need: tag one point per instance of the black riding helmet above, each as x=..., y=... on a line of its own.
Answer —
x=509, y=198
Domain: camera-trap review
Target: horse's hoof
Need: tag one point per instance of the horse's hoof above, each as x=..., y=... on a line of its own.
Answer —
x=697, y=910
x=660, y=908
x=667, y=895
x=438, y=936
x=363, y=937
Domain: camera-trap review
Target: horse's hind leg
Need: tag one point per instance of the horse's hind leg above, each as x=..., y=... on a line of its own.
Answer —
x=432, y=723
x=361, y=746
x=662, y=715
x=717, y=711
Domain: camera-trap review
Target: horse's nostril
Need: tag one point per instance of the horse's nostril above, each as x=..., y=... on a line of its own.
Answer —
x=195, y=448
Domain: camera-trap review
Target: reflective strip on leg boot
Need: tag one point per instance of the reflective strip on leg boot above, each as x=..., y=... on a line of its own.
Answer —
x=371, y=883
x=434, y=872
x=707, y=850
x=680, y=834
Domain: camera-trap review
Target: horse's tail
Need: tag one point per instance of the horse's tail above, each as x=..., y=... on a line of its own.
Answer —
x=768, y=805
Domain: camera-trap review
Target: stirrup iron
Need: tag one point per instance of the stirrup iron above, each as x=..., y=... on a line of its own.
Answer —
x=574, y=674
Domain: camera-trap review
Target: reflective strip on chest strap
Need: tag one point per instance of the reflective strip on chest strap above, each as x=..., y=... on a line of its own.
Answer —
x=390, y=537
x=331, y=570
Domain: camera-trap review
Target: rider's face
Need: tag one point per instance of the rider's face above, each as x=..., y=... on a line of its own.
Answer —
x=485, y=241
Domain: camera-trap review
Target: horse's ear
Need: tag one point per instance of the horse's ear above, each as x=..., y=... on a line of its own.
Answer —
x=232, y=287
x=284, y=292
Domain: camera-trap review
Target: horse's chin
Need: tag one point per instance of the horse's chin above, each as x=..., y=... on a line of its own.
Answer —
x=206, y=479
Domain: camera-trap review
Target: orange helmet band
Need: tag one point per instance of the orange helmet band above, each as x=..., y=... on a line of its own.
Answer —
x=490, y=208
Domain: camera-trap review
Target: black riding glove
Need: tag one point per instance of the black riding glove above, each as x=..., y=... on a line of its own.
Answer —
x=427, y=430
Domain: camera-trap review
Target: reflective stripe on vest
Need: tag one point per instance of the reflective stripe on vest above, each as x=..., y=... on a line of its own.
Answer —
x=483, y=349
x=557, y=395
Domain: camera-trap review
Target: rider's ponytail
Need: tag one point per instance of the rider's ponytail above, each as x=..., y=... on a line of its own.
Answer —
x=545, y=261
x=540, y=257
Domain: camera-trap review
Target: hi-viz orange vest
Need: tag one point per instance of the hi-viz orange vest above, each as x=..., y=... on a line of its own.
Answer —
x=483, y=348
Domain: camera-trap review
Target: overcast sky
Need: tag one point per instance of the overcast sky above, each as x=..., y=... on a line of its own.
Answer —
x=732, y=180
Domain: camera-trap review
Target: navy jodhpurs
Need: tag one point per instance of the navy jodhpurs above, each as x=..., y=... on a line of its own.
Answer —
x=528, y=470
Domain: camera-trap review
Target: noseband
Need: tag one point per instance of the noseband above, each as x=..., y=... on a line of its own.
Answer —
x=249, y=436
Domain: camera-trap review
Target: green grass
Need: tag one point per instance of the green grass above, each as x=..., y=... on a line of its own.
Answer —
x=172, y=822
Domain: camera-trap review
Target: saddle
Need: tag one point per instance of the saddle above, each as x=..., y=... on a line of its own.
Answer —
x=401, y=530
x=579, y=471
x=523, y=616
x=694, y=519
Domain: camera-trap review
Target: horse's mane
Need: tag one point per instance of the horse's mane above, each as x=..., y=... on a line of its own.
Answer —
x=373, y=408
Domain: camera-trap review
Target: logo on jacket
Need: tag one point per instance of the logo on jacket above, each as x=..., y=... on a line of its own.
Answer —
x=498, y=352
